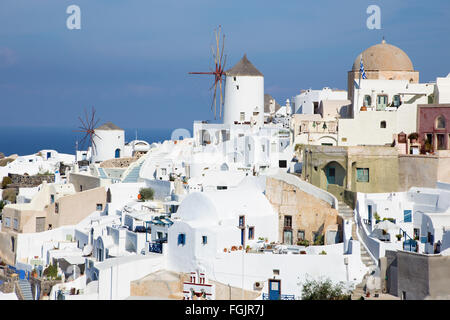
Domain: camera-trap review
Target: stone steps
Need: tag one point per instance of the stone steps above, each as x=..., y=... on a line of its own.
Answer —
x=25, y=290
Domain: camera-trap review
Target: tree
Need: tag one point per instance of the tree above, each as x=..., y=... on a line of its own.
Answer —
x=6, y=180
x=9, y=194
x=146, y=193
x=323, y=290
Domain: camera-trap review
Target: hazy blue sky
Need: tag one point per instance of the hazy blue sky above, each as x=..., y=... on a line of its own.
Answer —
x=131, y=58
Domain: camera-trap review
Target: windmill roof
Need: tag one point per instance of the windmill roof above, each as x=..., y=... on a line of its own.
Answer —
x=108, y=126
x=267, y=98
x=244, y=68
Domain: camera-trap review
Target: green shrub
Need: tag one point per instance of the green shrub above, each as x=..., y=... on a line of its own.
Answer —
x=146, y=193
x=323, y=252
x=51, y=271
x=303, y=243
x=319, y=240
x=323, y=290
x=6, y=180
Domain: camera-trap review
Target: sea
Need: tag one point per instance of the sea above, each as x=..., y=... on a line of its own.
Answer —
x=30, y=140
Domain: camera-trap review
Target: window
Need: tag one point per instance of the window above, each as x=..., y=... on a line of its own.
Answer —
x=263, y=148
x=440, y=138
x=237, y=87
x=222, y=187
x=181, y=239
x=282, y=163
x=7, y=222
x=204, y=239
x=234, y=78
x=440, y=122
x=163, y=171
x=242, y=116
x=52, y=198
x=99, y=207
x=362, y=174
x=367, y=100
x=383, y=124
x=16, y=224
x=241, y=221
x=301, y=234
x=56, y=207
x=12, y=244
x=288, y=221
x=251, y=233
x=430, y=238
x=416, y=233
x=396, y=101
x=249, y=147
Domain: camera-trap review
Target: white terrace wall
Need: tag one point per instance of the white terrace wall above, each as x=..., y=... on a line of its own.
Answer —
x=115, y=275
x=294, y=269
x=30, y=245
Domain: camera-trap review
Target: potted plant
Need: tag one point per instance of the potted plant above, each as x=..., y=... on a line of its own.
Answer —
x=377, y=217
x=413, y=137
x=247, y=249
x=399, y=236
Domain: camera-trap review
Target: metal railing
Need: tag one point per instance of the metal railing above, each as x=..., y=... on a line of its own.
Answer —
x=155, y=247
x=265, y=296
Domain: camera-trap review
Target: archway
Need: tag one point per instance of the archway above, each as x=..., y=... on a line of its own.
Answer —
x=334, y=173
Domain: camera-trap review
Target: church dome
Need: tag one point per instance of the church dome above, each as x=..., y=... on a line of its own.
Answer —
x=383, y=57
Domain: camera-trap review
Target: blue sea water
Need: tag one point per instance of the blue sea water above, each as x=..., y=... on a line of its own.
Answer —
x=29, y=140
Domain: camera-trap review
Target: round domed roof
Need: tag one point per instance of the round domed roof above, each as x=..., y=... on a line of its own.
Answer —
x=383, y=57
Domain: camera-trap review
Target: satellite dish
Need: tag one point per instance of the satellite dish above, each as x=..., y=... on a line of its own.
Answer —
x=87, y=250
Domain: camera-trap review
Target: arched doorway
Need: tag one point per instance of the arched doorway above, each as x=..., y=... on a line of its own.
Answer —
x=117, y=153
x=334, y=173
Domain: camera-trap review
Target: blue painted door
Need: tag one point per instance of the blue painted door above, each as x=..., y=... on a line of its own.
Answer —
x=331, y=175
x=407, y=216
x=274, y=289
x=117, y=155
x=369, y=212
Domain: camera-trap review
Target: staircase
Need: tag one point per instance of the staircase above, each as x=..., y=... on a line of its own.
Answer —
x=347, y=214
x=25, y=290
x=133, y=174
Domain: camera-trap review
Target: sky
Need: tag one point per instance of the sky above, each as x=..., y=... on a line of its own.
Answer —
x=130, y=59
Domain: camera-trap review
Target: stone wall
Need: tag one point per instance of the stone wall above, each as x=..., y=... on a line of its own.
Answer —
x=118, y=163
x=24, y=181
x=308, y=213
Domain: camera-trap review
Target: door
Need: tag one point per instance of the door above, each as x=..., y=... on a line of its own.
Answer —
x=382, y=102
x=331, y=175
x=117, y=153
x=243, y=237
x=369, y=213
x=274, y=289
x=287, y=236
x=40, y=224
x=407, y=216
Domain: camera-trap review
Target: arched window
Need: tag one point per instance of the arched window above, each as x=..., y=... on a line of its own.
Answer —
x=440, y=122
x=383, y=124
x=367, y=100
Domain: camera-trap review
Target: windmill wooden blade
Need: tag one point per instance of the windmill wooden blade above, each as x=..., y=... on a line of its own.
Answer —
x=217, y=70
